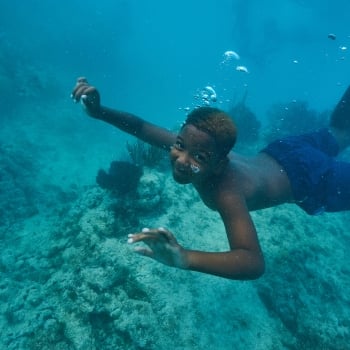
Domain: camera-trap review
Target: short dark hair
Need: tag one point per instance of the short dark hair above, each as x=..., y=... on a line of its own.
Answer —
x=215, y=123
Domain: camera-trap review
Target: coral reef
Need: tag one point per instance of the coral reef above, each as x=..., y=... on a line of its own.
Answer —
x=122, y=177
x=143, y=154
x=17, y=181
x=150, y=191
x=313, y=278
x=248, y=125
x=73, y=283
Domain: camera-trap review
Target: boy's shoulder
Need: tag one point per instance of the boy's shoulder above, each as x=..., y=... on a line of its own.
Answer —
x=226, y=188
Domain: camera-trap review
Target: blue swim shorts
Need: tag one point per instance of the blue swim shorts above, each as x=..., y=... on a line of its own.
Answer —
x=319, y=182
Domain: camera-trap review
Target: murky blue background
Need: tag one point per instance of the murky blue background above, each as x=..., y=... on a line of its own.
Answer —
x=150, y=57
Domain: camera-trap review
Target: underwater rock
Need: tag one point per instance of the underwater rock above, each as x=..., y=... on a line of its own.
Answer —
x=19, y=192
x=122, y=177
x=150, y=190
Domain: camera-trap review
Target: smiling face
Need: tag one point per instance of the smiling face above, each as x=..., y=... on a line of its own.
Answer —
x=193, y=156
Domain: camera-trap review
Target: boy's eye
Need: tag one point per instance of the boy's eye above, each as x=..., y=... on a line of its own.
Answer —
x=200, y=158
x=178, y=145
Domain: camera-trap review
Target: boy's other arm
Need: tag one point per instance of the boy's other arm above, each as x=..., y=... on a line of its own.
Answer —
x=127, y=122
x=245, y=259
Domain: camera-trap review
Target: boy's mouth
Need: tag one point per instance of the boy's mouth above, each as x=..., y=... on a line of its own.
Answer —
x=181, y=170
x=181, y=174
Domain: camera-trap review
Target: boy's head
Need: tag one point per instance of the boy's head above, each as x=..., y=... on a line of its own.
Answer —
x=215, y=123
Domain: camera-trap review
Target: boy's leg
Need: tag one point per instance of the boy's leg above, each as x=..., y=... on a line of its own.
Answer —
x=338, y=188
x=340, y=121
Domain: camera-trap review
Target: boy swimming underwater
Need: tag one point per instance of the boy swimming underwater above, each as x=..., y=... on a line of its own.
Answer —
x=299, y=169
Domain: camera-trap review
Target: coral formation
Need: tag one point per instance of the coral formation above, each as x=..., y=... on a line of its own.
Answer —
x=122, y=177
x=143, y=154
x=18, y=191
x=75, y=284
x=247, y=123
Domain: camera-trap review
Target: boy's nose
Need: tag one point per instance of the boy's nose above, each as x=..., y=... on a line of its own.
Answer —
x=183, y=159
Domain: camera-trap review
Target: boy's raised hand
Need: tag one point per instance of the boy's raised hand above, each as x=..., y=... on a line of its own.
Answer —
x=88, y=96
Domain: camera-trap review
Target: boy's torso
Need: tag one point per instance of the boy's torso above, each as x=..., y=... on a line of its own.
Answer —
x=260, y=180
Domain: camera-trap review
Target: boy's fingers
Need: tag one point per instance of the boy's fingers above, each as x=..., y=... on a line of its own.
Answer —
x=165, y=233
x=144, y=251
x=78, y=91
x=148, y=235
x=139, y=237
x=81, y=81
x=89, y=89
x=81, y=90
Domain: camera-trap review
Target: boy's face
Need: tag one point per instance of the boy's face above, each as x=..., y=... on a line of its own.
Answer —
x=193, y=156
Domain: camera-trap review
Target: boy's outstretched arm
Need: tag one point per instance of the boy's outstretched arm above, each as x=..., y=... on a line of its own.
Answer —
x=129, y=123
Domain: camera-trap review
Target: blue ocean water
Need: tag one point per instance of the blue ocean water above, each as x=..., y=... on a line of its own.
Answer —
x=62, y=284
x=169, y=50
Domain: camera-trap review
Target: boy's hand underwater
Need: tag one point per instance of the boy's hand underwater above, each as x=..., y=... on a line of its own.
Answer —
x=88, y=96
x=161, y=246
